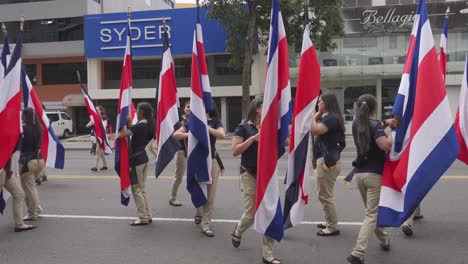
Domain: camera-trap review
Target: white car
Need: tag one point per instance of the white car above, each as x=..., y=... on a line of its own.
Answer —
x=61, y=123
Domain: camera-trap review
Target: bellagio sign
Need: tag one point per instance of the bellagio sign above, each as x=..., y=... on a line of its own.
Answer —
x=378, y=18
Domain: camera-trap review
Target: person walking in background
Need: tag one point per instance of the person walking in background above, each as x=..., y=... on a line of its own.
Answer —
x=216, y=131
x=180, y=160
x=371, y=141
x=31, y=163
x=100, y=152
x=245, y=143
x=328, y=126
x=141, y=134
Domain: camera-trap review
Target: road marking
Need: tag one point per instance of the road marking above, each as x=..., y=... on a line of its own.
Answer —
x=103, y=177
x=163, y=219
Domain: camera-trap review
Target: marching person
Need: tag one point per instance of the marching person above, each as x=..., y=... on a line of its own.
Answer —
x=216, y=131
x=181, y=160
x=100, y=152
x=31, y=163
x=407, y=226
x=8, y=182
x=141, y=134
x=328, y=126
x=245, y=143
x=372, y=141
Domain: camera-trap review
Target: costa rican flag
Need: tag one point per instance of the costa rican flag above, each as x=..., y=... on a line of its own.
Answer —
x=99, y=128
x=4, y=194
x=461, y=119
x=199, y=52
x=199, y=150
x=167, y=117
x=52, y=149
x=10, y=104
x=275, y=121
x=124, y=110
x=425, y=143
x=443, y=47
x=298, y=186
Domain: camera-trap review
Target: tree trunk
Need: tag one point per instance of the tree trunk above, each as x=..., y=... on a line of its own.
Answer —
x=248, y=54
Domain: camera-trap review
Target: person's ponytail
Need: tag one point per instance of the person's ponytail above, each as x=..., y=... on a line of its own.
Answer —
x=363, y=127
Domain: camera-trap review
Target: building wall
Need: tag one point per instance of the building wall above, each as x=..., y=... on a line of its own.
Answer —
x=114, y=6
x=42, y=10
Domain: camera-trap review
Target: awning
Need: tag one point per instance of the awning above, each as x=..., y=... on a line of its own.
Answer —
x=71, y=100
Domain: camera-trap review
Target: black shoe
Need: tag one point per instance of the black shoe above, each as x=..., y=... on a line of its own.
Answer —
x=208, y=232
x=236, y=240
x=325, y=234
x=385, y=245
x=38, y=181
x=174, y=202
x=104, y=168
x=273, y=261
x=407, y=230
x=355, y=260
x=198, y=219
x=94, y=169
x=25, y=228
x=418, y=217
x=150, y=220
x=321, y=226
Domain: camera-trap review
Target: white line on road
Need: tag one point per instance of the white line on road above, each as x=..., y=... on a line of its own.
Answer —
x=161, y=219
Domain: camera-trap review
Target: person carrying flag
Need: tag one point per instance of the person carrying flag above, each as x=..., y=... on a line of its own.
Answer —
x=371, y=144
x=216, y=131
x=328, y=126
x=100, y=155
x=245, y=143
x=140, y=135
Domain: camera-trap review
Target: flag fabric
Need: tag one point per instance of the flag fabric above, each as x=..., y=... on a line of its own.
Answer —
x=425, y=143
x=124, y=110
x=275, y=121
x=99, y=128
x=461, y=119
x=10, y=105
x=167, y=114
x=4, y=57
x=199, y=57
x=52, y=149
x=300, y=169
x=198, y=149
x=443, y=49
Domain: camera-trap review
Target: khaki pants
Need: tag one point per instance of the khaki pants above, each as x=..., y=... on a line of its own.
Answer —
x=139, y=194
x=410, y=220
x=326, y=178
x=181, y=164
x=100, y=156
x=17, y=196
x=249, y=183
x=369, y=185
x=206, y=211
x=28, y=182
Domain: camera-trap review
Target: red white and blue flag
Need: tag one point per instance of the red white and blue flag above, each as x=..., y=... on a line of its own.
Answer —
x=52, y=149
x=167, y=117
x=4, y=194
x=201, y=64
x=425, y=143
x=443, y=48
x=99, y=127
x=124, y=111
x=199, y=150
x=274, y=130
x=298, y=187
x=461, y=120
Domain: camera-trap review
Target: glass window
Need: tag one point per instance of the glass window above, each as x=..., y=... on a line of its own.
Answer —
x=183, y=67
x=31, y=71
x=53, y=117
x=351, y=94
x=221, y=65
x=63, y=73
x=64, y=116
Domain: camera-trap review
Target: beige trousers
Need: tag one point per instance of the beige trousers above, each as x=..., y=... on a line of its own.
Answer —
x=249, y=183
x=139, y=194
x=410, y=220
x=206, y=211
x=17, y=196
x=100, y=156
x=28, y=182
x=326, y=179
x=181, y=164
x=369, y=185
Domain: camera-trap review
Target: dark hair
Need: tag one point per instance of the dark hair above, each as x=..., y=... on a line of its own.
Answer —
x=333, y=108
x=31, y=119
x=253, y=106
x=366, y=106
x=103, y=110
x=147, y=112
x=214, y=114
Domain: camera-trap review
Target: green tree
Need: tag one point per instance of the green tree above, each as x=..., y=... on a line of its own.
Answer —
x=247, y=22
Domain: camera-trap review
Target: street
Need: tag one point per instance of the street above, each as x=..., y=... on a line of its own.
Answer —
x=83, y=222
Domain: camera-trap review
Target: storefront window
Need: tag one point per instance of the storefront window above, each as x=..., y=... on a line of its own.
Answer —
x=63, y=73
x=31, y=71
x=351, y=94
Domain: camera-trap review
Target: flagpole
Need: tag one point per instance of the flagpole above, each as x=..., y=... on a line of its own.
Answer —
x=22, y=23
x=4, y=30
x=447, y=13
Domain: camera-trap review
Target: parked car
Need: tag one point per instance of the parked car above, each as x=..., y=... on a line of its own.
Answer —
x=61, y=123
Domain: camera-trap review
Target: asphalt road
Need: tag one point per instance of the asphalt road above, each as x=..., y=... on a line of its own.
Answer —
x=83, y=222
